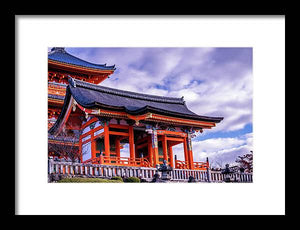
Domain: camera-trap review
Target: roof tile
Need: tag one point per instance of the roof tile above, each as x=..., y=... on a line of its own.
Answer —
x=61, y=55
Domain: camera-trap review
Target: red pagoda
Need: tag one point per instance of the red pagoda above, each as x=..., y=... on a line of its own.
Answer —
x=62, y=64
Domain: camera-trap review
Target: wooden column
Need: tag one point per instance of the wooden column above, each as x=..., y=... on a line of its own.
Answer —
x=80, y=149
x=165, y=148
x=190, y=151
x=155, y=148
x=171, y=156
x=93, y=147
x=150, y=150
x=131, y=143
x=106, y=140
x=186, y=154
x=117, y=143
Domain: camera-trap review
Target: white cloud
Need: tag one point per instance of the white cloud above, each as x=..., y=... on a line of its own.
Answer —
x=229, y=98
x=209, y=87
x=218, y=150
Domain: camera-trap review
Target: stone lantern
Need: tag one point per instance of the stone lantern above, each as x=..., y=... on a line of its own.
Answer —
x=226, y=173
x=165, y=173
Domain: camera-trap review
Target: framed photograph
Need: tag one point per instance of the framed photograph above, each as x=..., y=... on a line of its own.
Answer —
x=110, y=108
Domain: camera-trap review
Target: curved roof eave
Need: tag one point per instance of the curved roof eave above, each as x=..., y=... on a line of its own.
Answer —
x=58, y=54
x=84, y=101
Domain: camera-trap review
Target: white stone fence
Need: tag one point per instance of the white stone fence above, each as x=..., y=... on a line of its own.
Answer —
x=108, y=171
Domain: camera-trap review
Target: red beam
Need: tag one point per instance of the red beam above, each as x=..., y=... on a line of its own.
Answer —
x=142, y=145
x=175, y=139
x=118, y=126
x=119, y=133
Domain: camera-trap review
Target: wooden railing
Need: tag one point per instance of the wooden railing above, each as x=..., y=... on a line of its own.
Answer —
x=201, y=165
x=185, y=165
x=181, y=164
x=119, y=161
x=147, y=173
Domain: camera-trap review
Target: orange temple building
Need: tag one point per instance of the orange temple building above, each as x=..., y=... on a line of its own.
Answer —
x=105, y=119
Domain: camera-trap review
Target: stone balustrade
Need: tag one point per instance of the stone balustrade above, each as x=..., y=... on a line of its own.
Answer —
x=109, y=171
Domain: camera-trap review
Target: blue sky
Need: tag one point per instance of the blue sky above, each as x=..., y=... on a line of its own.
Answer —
x=213, y=81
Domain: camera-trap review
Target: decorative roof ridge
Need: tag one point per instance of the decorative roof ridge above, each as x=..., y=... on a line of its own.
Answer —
x=174, y=100
x=57, y=49
x=62, y=50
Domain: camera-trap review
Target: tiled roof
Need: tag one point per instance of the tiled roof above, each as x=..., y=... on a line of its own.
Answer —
x=95, y=96
x=123, y=93
x=61, y=55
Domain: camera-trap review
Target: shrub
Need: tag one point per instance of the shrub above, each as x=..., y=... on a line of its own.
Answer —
x=132, y=180
x=117, y=178
x=87, y=180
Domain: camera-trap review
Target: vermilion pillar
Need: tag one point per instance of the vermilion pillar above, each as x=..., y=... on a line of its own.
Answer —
x=106, y=140
x=117, y=144
x=170, y=150
x=190, y=151
x=150, y=150
x=93, y=147
x=186, y=153
x=165, y=148
x=80, y=149
x=155, y=148
x=131, y=143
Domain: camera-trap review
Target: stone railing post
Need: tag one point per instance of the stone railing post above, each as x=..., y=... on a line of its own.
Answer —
x=100, y=170
x=208, y=171
x=71, y=169
x=208, y=174
x=50, y=165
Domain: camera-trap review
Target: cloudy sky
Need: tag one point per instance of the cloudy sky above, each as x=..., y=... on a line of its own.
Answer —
x=213, y=81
